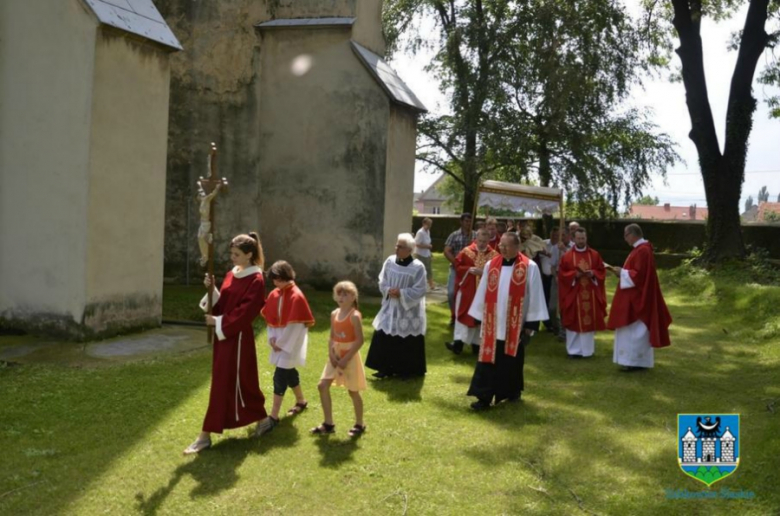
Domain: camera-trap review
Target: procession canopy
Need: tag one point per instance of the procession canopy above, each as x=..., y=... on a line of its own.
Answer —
x=510, y=196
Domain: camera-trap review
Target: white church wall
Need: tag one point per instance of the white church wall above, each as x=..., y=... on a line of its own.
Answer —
x=47, y=55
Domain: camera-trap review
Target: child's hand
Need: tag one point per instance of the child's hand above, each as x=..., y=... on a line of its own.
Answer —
x=342, y=364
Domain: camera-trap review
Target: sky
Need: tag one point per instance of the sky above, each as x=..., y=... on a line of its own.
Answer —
x=666, y=103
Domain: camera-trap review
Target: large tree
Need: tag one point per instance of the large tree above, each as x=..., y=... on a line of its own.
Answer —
x=536, y=90
x=565, y=77
x=723, y=170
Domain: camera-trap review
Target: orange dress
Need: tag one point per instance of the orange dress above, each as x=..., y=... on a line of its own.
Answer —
x=353, y=377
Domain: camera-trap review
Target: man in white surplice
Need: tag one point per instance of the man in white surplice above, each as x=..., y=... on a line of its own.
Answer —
x=499, y=371
x=398, y=345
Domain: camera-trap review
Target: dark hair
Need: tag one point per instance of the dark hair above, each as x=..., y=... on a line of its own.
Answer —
x=465, y=216
x=580, y=230
x=250, y=243
x=281, y=271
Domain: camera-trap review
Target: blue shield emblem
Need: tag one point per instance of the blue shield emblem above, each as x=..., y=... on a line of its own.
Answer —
x=708, y=445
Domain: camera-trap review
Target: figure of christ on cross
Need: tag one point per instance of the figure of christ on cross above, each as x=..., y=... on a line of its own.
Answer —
x=208, y=188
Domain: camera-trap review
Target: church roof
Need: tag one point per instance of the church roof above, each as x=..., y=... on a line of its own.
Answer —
x=139, y=17
x=306, y=23
x=727, y=435
x=689, y=436
x=395, y=88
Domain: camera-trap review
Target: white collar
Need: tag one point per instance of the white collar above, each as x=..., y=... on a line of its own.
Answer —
x=254, y=269
x=640, y=242
x=580, y=250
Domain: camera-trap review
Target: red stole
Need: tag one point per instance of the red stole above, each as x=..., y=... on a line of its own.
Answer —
x=514, y=319
x=287, y=306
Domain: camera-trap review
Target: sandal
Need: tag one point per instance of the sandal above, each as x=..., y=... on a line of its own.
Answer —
x=324, y=428
x=298, y=408
x=357, y=430
x=197, y=446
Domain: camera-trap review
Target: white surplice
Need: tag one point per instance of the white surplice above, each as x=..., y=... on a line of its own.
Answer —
x=403, y=316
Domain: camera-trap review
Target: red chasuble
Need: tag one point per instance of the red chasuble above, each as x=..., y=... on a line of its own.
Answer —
x=466, y=283
x=583, y=304
x=644, y=302
x=514, y=319
x=287, y=306
x=236, y=399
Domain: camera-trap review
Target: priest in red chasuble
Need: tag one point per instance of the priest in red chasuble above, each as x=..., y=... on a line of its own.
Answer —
x=509, y=303
x=469, y=265
x=639, y=314
x=582, y=297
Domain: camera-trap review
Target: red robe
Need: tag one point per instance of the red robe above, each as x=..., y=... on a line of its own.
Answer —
x=236, y=399
x=287, y=306
x=644, y=302
x=583, y=305
x=466, y=283
x=493, y=242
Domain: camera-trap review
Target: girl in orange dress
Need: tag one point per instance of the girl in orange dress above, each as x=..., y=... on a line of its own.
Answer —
x=344, y=366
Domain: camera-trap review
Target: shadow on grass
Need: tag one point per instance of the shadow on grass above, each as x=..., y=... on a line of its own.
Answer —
x=400, y=390
x=335, y=451
x=215, y=469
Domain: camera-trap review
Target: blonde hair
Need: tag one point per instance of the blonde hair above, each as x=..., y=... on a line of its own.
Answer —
x=349, y=288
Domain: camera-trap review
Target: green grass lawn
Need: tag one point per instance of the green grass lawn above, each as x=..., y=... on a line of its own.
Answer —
x=585, y=439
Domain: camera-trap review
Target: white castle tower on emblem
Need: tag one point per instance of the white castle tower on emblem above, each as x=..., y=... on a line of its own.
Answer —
x=710, y=452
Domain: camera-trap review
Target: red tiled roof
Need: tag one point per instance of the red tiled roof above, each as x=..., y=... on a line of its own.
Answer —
x=667, y=212
x=766, y=207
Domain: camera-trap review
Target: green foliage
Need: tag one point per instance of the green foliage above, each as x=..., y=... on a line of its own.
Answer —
x=749, y=203
x=771, y=216
x=598, y=208
x=536, y=90
x=647, y=201
x=763, y=195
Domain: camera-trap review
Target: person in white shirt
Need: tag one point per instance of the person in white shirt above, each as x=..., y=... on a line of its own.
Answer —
x=422, y=249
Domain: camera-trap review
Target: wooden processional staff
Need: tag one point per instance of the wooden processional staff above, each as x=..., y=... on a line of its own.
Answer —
x=208, y=188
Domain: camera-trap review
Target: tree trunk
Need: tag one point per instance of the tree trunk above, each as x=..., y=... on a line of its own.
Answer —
x=470, y=174
x=723, y=174
x=545, y=178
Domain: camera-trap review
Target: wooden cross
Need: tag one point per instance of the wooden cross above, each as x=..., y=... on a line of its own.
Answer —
x=211, y=185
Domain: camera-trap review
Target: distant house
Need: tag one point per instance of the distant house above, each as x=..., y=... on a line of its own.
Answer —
x=751, y=215
x=431, y=201
x=765, y=208
x=667, y=212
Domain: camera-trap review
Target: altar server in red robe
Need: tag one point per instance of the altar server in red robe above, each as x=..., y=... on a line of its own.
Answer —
x=235, y=399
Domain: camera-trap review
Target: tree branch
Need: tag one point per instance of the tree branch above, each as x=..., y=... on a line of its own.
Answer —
x=441, y=167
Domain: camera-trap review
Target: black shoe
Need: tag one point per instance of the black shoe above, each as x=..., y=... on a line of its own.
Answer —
x=575, y=356
x=480, y=405
x=514, y=399
x=380, y=375
x=452, y=323
x=630, y=369
x=475, y=349
x=456, y=346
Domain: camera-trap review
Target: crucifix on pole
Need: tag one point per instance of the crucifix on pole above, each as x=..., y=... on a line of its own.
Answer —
x=208, y=188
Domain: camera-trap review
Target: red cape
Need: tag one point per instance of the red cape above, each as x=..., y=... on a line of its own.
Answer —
x=467, y=284
x=294, y=308
x=583, y=305
x=644, y=302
